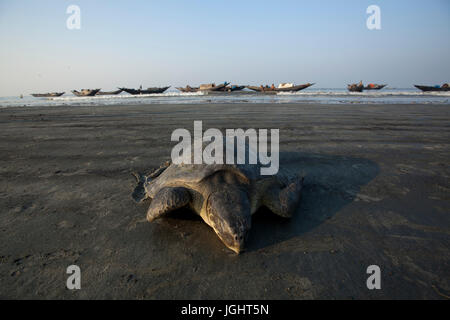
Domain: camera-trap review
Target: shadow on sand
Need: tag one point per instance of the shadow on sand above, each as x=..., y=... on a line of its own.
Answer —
x=331, y=182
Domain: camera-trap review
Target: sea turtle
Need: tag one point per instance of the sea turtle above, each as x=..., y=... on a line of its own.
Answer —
x=223, y=195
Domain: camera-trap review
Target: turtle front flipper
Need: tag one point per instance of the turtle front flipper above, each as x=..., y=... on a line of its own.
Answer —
x=283, y=201
x=166, y=200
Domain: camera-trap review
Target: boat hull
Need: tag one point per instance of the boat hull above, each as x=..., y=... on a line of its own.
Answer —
x=220, y=87
x=232, y=88
x=145, y=91
x=355, y=88
x=85, y=93
x=47, y=95
x=290, y=89
x=432, y=89
x=376, y=87
x=188, y=89
x=294, y=88
x=105, y=93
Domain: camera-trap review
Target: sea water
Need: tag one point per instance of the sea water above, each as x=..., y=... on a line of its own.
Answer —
x=309, y=96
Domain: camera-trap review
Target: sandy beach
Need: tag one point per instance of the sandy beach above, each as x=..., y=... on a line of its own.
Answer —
x=377, y=192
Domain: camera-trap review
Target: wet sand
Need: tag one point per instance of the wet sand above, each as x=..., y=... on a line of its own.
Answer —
x=376, y=192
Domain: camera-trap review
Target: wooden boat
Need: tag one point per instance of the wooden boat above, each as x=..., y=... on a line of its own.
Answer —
x=213, y=87
x=49, y=94
x=155, y=90
x=285, y=89
x=231, y=88
x=85, y=92
x=188, y=89
x=444, y=87
x=145, y=91
x=355, y=87
x=261, y=88
x=105, y=93
x=295, y=88
x=372, y=86
x=205, y=87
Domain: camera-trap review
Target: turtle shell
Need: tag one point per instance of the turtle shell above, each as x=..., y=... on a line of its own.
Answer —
x=191, y=174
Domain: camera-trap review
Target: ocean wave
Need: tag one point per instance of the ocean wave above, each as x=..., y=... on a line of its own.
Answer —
x=128, y=96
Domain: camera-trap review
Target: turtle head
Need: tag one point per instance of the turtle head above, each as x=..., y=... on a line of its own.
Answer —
x=229, y=215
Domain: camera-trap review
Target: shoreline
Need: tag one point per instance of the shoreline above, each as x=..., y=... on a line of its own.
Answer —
x=219, y=104
x=335, y=97
x=376, y=192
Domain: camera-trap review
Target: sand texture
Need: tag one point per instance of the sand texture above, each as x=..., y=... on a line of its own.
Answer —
x=377, y=192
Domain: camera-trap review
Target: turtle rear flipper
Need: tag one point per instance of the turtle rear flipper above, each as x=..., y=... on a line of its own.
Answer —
x=139, y=193
x=157, y=172
x=283, y=201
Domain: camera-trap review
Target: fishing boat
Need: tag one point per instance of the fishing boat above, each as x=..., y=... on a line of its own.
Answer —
x=232, y=88
x=105, y=93
x=145, y=91
x=48, y=94
x=444, y=87
x=294, y=88
x=281, y=88
x=188, y=88
x=372, y=86
x=85, y=92
x=356, y=87
x=213, y=87
x=262, y=88
x=208, y=87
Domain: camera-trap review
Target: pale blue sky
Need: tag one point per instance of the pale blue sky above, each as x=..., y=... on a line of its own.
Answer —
x=128, y=43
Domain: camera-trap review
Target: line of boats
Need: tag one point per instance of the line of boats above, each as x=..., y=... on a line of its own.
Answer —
x=98, y=92
x=227, y=87
x=360, y=87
